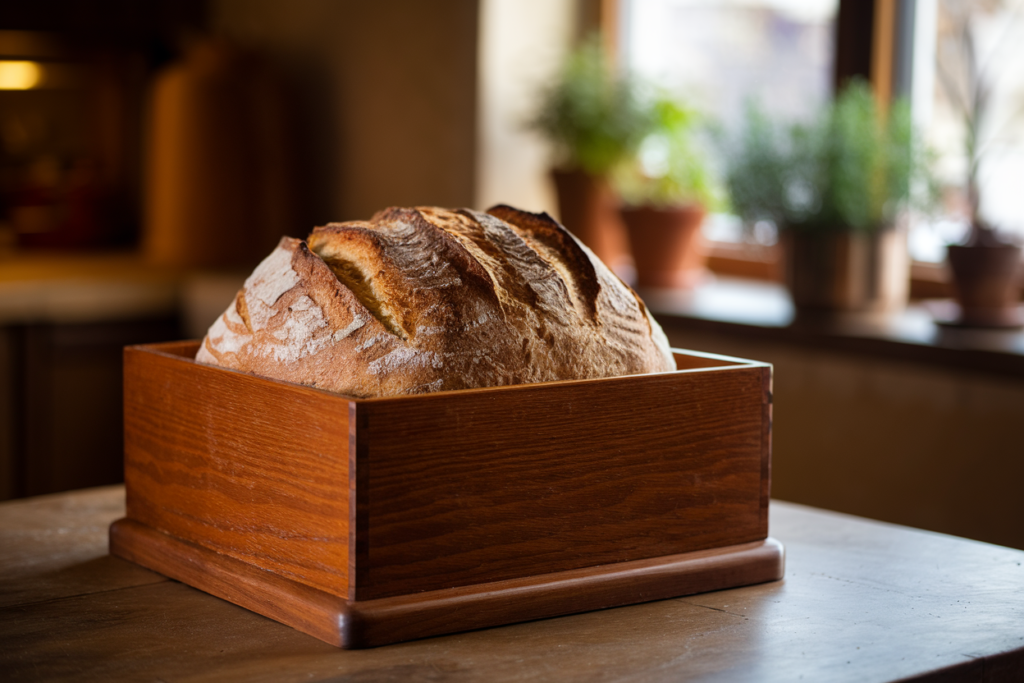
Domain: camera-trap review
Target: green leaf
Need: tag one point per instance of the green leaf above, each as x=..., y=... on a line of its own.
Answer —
x=592, y=115
x=850, y=168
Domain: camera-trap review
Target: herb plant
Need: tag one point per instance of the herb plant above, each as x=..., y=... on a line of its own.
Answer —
x=594, y=116
x=850, y=169
x=670, y=167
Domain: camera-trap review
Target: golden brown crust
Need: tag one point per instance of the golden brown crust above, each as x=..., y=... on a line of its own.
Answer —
x=545, y=235
x=430, y=299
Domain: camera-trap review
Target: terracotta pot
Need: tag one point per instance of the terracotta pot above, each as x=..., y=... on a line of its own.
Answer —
x=986, y=280
x=589, y=209
x=667, y=244
x=847, y=272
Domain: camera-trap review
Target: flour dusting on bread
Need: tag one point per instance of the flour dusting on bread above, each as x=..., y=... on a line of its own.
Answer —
x=272, y=278
x=429, y=299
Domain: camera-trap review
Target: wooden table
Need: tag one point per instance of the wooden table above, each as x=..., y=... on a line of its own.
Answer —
x=861, y=601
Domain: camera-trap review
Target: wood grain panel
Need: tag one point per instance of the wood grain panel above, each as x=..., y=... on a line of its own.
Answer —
x=695, y=360
x=312, y=611
x=471, y=487
x=248, y=467
x=767, y=409
x=418, y=615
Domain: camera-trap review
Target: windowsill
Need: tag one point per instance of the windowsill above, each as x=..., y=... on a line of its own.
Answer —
x=927, y=280
x=761, y=309
x=745, y=261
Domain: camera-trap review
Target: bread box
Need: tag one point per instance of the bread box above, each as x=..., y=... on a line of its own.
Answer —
x=364, y=522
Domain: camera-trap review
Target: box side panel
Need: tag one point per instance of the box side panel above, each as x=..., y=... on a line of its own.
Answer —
x=690, y=360
x=247, y=467
x=487, y=486
x=766, y=443
x=182, y=349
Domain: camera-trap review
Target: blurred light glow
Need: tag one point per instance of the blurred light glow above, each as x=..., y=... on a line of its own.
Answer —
x=722, y=54
x=19, y=75
x=809, y=11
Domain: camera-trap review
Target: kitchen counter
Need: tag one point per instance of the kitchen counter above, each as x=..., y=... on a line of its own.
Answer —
x=764, y=311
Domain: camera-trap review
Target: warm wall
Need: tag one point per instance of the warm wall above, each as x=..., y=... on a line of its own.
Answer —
x=522, y=45
x=385, y=96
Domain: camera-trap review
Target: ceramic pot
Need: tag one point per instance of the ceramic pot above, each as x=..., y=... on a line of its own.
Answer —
x=589, y=209
x=847, y=271
x=667, y=245
x=986, y=281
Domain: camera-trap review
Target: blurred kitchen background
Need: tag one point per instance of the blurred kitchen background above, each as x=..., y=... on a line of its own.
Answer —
x=152, y=152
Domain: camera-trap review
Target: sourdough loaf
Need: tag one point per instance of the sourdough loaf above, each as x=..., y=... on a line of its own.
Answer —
x=427, y=299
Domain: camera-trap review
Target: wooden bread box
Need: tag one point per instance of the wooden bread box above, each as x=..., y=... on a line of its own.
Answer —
x=364, y=522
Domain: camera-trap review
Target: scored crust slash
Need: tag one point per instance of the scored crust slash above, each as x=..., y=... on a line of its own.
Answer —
x=427, y=299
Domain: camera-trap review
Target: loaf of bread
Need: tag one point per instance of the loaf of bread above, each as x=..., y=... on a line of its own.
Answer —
x=427, y=299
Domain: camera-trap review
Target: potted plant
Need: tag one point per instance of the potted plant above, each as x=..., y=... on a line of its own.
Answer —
x=835, y=188
x=985, y=267
x=594, y=118
x=667, y=188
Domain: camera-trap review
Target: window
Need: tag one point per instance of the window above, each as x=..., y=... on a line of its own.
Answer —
x=721, y=54
x=971, y=46
x=781, y=52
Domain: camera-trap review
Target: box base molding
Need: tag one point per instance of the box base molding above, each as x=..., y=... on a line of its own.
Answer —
x=370, y=623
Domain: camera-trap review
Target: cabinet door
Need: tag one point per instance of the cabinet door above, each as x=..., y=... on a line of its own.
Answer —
x=63, y=389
